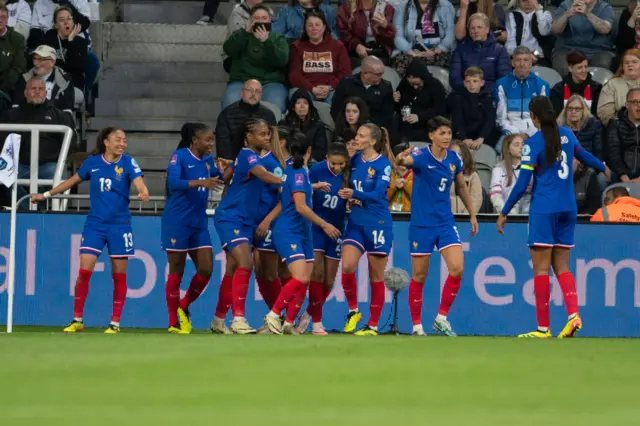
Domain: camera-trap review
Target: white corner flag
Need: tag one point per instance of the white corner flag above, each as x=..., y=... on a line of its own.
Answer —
x=9, y=160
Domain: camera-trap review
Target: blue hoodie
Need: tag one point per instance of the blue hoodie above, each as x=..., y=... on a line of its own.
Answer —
x=490, y=56
x=290, y=21
x=512, y=96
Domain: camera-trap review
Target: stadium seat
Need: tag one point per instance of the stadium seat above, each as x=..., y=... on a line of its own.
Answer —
x=486, y=207
x=634, y=191
x=274, y=109
x=486, y=158
x=419, y=144
x=549, y=75
x=324, y=110
x=389, y=74
x=601, y=75
x=442, y=75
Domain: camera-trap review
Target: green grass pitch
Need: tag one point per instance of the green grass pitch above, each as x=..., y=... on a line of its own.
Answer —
x=149, y=379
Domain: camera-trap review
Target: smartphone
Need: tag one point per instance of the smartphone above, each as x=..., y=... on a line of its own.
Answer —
x=265, y=26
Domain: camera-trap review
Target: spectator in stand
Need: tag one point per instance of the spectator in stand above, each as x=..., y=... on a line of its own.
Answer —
x=401, y=186
x=257, y=53
x=471, y=178
x=623, y=134
x=494, y=13
x=505, y=174
x=317, y=61
x=229, y=137
x=583, y=25
x=70, y=48
x=614, y=94
x=629, y=28
x=291, y=20
x=424, y=30
x=479, y=49
x=354, y=114
x=241, y=15
x=472, y=112
x=514, y=92
x=37, y=110
x=620, y=207
x=587, y=128
x=366, y=29
x=304, y=116
x=577, y=82
x=42, y=18
x=19, y=16
x=419, y=98
x=60, y=90
x=12, y=60
x=587, y=188
x=369, y=86
x=530, y=25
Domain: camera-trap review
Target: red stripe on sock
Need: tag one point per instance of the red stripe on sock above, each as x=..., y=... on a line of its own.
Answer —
x=196, y=287
x=239, y=290
x=225, y=297
x=350, y=288
x=542, y=290
x=377, y=302
x=449, y=293
x=172, y=295
x=416, y=291
x=119, y=295
x=568, y=285
x=81, y=292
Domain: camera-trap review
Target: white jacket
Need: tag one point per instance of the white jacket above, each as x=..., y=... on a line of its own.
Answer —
x=499, y=191
x=20, y=17
x=42, y=17
x=544, y=26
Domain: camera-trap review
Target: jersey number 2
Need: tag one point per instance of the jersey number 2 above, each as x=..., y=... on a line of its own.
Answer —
x=330, y=201
x=105, y=184
x=563, y=173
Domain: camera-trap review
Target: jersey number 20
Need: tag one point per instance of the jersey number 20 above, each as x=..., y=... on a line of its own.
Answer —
x=563, y=173
x=330, y=201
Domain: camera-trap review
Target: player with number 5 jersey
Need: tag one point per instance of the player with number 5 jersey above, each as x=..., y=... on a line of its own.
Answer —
x=110, y=173
x=369, y=228
x=548, y=156
x=435, y=169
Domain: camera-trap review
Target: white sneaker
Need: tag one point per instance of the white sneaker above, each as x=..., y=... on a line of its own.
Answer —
x=241, y=326
x=318, y=330
x=289, y=329
x=273, y=324
x=418, y=330
x=219, y=327
x=205, y=20
x=304, y=322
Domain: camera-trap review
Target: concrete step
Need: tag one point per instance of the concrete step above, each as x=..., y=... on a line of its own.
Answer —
x=160, y=89
x=136, y=123
x=172, y=12
x=187, y=108
x=192, y=72
x=162, y=52
x=131, y=32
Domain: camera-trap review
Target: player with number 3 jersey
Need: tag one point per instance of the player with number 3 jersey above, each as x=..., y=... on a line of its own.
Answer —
x=110, y=174
x=548, y=156
x=435, y=169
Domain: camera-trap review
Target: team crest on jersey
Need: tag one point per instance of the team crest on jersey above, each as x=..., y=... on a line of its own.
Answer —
x=299, y=179
x=173, y=241
x=371, y=171
x=294, y=247
x=452, y=167
x=277, y=172
x=415, y=244
x=208, y=167
x=174, y=159
x=236, y=231
x=119, y=171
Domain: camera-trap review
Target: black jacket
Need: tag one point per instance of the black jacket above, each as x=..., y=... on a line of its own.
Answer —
x=378, y=98
x=557, y=93
x=626, y=37
x=587, y=191
x=62, y=95
x=72, y=55
x=623, y=145
x=36, y=35
x=590, y=137
x=12, y=60
x=473, y=115
x=313, y=128
x=229, y=137
x=50, y=143
x=427, y=102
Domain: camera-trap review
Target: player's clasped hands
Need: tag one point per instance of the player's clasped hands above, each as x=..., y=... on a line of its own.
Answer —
x=322, y=186
x=213, y=183
x=345, y=193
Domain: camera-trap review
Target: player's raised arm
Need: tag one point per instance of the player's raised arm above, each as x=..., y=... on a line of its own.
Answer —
x=64, y=186
x=405, y=158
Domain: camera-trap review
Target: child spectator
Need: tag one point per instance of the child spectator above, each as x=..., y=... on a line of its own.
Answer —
x=399, y=192
x=505, y=174
x=304, y=116
x=588, y=129
x=471, y=178
x=472, y=112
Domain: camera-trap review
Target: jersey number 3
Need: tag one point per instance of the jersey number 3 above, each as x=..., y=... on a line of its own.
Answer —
x=563, y=173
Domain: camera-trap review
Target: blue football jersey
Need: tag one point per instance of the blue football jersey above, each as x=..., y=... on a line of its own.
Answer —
x=109, y=185
x=432, y=180
x=290, y=220
x=187, y=206
x=328, y=205
x=271, y=193
x=240, y=203
x=553, y=189
x=370, y=181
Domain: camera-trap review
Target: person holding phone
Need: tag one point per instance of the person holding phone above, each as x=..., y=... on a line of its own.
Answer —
x=257, y=53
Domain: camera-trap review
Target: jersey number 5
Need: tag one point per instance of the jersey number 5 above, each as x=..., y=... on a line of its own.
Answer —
x=443, y=184
x=563, y=173
x=105, y=184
